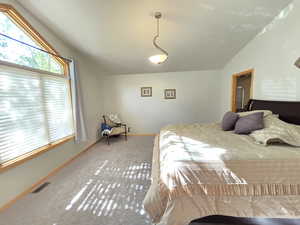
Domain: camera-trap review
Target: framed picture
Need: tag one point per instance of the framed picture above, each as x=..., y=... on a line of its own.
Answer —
x=146, y=92
x=170, y=93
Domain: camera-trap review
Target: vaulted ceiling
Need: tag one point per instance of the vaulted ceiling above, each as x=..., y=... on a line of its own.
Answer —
x=198, y=34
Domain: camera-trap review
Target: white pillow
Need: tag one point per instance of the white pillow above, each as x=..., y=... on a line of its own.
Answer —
x=266, y=113
x=114, y=118
x=277, y=131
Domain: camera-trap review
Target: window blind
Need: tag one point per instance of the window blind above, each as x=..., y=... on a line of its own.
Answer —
x=35, y=110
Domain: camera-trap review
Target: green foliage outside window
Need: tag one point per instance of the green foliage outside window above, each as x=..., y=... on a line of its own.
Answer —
x=14, y=52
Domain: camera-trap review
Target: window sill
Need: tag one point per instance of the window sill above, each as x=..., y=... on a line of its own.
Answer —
x=33, y=154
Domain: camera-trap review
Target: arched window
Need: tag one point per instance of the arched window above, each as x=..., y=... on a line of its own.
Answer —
x=35, y=101
x=14, y=25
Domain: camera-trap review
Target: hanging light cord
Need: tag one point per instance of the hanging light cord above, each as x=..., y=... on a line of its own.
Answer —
x=39, y=49
x=155, y=39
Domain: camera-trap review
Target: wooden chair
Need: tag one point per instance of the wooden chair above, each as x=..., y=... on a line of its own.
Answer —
x=117, y=128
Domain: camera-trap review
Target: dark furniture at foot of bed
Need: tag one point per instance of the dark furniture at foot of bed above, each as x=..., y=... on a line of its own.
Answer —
x=227, y=220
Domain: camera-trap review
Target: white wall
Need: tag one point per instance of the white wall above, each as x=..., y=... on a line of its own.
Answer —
x=197, y=99
x=272, y=54
x=16, y=180
x=204, y=96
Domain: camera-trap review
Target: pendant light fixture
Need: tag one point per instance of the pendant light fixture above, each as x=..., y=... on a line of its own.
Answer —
x=159, y=58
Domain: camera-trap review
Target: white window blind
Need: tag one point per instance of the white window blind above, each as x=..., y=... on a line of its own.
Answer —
x=35, y=110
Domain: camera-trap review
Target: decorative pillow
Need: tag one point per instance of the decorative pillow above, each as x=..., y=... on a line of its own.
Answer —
x=249, y=123
x=277, y=131
x=266, y=113
x=229, y=121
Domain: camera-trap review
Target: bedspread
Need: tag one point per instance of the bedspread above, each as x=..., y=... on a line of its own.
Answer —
x=200, y=170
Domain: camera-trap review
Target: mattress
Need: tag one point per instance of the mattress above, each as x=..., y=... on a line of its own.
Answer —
x=200, y=170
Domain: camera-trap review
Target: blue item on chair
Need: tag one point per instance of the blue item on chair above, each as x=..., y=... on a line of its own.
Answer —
x=105, y=127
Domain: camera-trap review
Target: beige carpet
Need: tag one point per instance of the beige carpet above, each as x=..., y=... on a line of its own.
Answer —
x=105, y=186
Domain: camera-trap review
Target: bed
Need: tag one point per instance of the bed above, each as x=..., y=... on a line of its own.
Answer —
x=199, y=170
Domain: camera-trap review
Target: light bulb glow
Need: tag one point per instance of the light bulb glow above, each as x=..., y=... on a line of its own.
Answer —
x=158, y=59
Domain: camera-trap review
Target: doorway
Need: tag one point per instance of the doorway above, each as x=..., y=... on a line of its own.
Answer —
x=241, y=90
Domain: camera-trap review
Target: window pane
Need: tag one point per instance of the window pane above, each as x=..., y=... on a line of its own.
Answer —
x=58, y=106
x=35, y=110
x=23, y=124
x=14, y=52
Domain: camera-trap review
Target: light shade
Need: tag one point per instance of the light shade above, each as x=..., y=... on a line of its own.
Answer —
x=158, y=59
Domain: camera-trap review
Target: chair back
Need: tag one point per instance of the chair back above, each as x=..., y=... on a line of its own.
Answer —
x=108, y=121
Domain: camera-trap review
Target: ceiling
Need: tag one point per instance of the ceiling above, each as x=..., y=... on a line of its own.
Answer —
x=198, y=34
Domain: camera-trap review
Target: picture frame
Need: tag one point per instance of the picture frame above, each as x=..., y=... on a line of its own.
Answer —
x=146, y=91
x=170, y=93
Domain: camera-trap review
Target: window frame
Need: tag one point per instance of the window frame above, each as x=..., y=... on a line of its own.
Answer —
x=21, y=22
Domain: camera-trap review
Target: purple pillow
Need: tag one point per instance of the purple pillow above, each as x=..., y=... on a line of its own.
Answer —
x=229, y=121
x=250, y=123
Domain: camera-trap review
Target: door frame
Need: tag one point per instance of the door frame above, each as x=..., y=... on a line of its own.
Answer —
x=234, y=86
